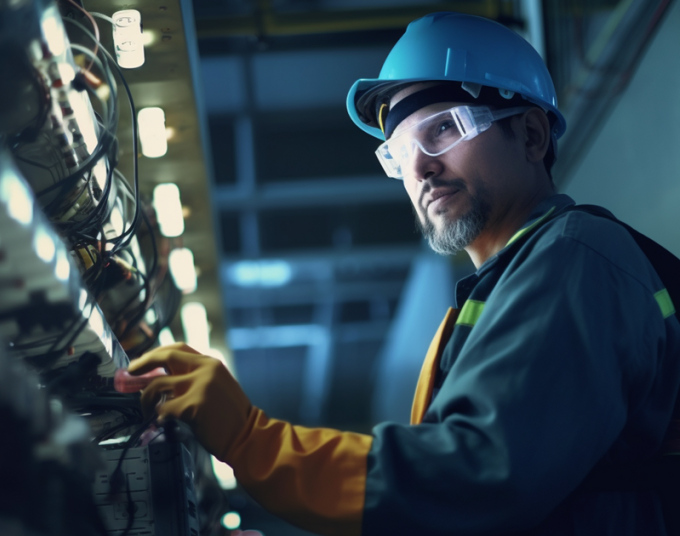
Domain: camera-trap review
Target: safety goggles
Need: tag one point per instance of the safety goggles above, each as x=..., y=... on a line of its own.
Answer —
x=437, y=134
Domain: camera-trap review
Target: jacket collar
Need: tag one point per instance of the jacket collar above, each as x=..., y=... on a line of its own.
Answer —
x=539, y=215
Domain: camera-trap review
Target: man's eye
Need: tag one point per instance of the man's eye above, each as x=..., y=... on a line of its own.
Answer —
x=444, y=126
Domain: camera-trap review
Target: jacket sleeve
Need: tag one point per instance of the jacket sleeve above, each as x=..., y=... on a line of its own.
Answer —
x=561, y=355
x=313, y=477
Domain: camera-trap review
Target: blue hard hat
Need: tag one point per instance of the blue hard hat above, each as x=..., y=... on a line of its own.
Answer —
x=454, y=47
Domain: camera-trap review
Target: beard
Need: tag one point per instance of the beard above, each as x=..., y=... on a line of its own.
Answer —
x=456, y=235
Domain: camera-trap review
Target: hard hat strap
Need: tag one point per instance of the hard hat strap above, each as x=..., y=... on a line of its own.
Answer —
x=431, y=95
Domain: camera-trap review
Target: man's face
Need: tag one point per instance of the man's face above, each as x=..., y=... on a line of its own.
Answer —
x=459, y=194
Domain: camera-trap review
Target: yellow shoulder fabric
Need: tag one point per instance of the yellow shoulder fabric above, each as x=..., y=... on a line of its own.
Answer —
x=312, y=477
x=421, y=399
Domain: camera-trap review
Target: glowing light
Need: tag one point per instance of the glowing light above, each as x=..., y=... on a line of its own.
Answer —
x=196, y=328
x=128, y=38
x=84, y=118
x=277, y=336
x=99, y=172
x=97, y=322
x=168, y=206
x=62, y=269
x=117, y=221
x=18, y=199
x=66, y=72
x=231, y=520
x=166, y=337
x=152, y=132
x=53, y=32
x=151, y=317
x=82, y=299
x=43, y=244
x=149, y=37
x=182, y=268
x=224, y=473
x=260, y=273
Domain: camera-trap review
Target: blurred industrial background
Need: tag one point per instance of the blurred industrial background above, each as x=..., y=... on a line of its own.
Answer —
x=317, y=288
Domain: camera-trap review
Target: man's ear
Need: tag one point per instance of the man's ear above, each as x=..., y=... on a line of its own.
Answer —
x=536, y=134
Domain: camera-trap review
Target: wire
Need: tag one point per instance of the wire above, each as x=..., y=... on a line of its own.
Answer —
x=94, y=27
x=118, y=474
x=102, y=16
x=147, y=286
x=128, y=233
x=106, y=139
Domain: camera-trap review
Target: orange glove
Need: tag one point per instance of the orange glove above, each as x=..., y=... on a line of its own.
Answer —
x=312, y=477
x=201, y=391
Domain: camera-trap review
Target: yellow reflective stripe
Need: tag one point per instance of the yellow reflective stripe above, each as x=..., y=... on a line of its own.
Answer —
x=665, y=302
x=524, y=231
x=380, y=117
x=470, y=313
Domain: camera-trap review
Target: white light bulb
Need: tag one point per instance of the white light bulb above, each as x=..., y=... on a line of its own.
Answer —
x=128, y=38
x=182, y=268
x=168, y=206
x=152, y=132
x=224, y=473
x=196, y=327
x=43, y=244
x=166, y=337
x=231, y=520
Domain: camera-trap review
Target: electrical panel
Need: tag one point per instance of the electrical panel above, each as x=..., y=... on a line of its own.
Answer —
x=84, y=288
x=160, y=481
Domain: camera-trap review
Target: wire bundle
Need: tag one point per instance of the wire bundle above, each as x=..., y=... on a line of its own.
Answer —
x=82, y=206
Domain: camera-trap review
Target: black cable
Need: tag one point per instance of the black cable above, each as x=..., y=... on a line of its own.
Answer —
x=105, y=139
x=30, y=133
x=117, y=474
x=108, y=433
x=110, y=124
x=144, y=306
x=128, y=233
x=106, y=135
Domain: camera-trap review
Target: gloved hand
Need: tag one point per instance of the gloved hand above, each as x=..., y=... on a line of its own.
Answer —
x=201, y=391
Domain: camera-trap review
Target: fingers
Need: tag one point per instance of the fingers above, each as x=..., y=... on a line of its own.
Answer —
x=171, y=385
x=177, y=358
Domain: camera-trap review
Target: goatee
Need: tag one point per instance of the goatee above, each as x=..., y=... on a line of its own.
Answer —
x=457, y=234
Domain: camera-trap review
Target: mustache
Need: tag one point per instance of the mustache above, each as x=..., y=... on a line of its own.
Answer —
x=438, y=182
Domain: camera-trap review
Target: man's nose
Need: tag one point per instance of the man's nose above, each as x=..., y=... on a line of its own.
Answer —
x=423, y=166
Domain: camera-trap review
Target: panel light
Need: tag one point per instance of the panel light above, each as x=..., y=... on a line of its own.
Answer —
x=53, y=32
x=128, y=38
x=43, y=244
x=62, y=268
x=182, y=269
x=231, y=520
x=152, y=133
x=168, y=206
x=18, y=199
x=166, y=337
x=224, y=473
x=84, y=118
x=196, y=328
x=273, y=273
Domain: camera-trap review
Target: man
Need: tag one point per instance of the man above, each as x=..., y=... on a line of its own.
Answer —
x=560, y=354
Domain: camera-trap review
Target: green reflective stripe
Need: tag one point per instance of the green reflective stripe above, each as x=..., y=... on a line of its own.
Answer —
x=524, y=231
x=665, y=302
x=470, y=313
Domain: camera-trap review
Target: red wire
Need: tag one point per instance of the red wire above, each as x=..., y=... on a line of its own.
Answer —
x=96, y=32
